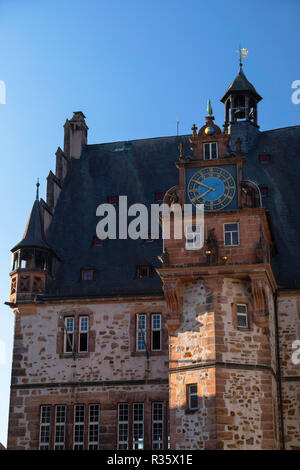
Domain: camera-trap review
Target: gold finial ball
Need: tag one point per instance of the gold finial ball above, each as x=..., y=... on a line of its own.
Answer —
x=209, y=130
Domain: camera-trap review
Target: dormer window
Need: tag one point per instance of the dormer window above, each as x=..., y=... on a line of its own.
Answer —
x=143, y=271
x=159, y=196
x=210, y=151
x=87, y=274
x=264, y=158
x=97, y=241
x=264, y=190
x=114, y=200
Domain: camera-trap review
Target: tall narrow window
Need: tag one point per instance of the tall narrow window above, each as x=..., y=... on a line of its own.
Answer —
x=156, y=332
x=94, y=418
x=242, y=316
x=231, y=234
x=138, y=426
x=141, y=332
x=157, y=426
x=83, y=334
x=210, y=151
x=193, y=397
x=69, y=334
x=79, y=414
x=60, y=427
x=45, y=427
x=123, y=426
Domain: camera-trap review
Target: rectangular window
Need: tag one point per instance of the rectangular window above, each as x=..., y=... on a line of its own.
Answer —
x=159, y=196
x=210, y=151
x=94, y=419
x=45, y=427
x=264, y=190
x=264, y=158
x=79, y=415
x=141, y=322
x=123, y=426
x=87, y=275
x=114, y=200
x=157, y=426
x=231, y=234
x=98, y=241
x=242, y=316
x=138, y=426
x=60, y=427
x=83, y=334
x=143, y=271
x=193, y=397
x=156, y=332
x=69, y=335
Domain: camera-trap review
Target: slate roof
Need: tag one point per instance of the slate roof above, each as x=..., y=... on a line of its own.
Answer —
x=138, y=171
x=241, y=84
x=34, y=233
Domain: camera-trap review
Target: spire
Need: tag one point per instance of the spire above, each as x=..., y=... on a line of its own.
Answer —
x=34, y=232
x=37, y=189
x=241, y=84
x=209, y=108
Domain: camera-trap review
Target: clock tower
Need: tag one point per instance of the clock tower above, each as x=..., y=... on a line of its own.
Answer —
x=220, y=298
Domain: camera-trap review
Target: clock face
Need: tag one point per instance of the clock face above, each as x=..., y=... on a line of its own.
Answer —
x=212, y=186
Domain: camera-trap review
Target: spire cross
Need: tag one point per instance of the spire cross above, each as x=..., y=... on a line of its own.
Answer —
x=37, y=189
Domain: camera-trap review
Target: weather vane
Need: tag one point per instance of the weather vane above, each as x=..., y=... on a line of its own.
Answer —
x=243, y=54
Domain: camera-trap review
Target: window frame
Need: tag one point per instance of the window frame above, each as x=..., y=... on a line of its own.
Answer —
x=210, y=150
x=160, y=443
x=190, y=395
x=47, y=425
x=140, y=331
x=60, y=445
x=85, y=272
x=156, y=329
x=66, y=318
x=231, y=231
x=242, y=314
x=124, y=423
x=137, y=422
x=81, y=424
x=93, y=445
x=80, y=332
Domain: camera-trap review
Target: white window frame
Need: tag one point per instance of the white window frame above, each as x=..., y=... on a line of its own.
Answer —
x=80, y=332
x=66, y=334
x=156, y=329
x=79, y=445
x=242, y=314
x=124, y=444
x=231, y=231
x=138, y=444
x=141, y=332
x=156, y=443
x=45, y=425
x=210, y=152
x=92, y=444
x=60, y=444
x=192, y=394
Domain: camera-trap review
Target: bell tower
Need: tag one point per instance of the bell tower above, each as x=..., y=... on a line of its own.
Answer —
x=220, y=296
x=32, y=259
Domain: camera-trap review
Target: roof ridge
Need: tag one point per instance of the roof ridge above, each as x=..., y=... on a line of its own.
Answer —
x=139, y=140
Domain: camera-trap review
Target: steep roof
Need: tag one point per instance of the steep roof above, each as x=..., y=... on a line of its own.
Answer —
x=139, y=169
x=34, y=233
x=241, y=84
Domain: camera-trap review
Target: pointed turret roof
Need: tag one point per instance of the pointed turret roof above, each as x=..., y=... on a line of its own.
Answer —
x=34, y=232
x=241, y=84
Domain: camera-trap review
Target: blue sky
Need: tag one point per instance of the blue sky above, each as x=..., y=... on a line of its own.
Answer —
x=134, y=68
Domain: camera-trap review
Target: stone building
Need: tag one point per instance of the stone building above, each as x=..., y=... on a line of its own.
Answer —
x=132, y=344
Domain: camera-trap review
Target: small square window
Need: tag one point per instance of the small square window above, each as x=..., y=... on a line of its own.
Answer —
x=87, y=274
x=113, y=200
x=143, y=271
x=97, y=241
x=264, y=190
x=264, y=158
x=159, y=196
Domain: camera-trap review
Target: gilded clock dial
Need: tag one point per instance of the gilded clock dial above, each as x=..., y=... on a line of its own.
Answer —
x=212, y=186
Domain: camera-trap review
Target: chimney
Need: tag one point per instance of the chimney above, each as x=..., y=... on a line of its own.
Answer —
x=75, y=135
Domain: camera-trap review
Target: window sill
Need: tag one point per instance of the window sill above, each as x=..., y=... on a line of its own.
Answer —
x=78, y=355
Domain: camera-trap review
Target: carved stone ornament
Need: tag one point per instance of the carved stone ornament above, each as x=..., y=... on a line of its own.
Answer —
x=173, y=295
x=171, y=197
x=260, y=313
